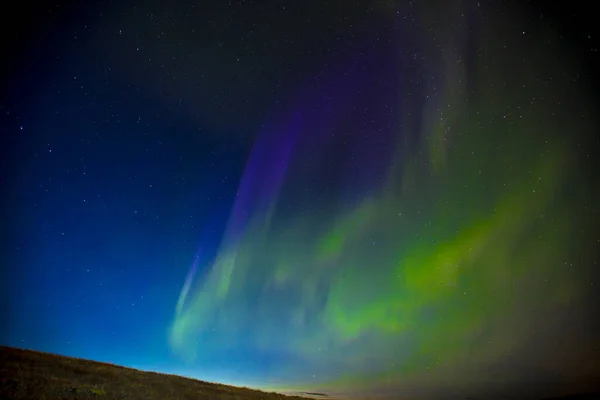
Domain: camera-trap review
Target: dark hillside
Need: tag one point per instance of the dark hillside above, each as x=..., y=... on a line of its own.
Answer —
x=26, y=374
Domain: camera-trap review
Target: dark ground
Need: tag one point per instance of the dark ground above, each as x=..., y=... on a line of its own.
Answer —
x=30, y=375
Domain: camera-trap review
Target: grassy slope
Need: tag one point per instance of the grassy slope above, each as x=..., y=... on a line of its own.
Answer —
x=26, y=374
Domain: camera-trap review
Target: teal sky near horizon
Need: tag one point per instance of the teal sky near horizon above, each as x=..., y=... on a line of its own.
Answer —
x=383, y=200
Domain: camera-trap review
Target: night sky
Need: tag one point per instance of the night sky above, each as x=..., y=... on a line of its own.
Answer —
x=363, y=199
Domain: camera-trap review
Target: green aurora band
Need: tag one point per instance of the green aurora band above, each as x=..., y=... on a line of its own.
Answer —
x=476, y=245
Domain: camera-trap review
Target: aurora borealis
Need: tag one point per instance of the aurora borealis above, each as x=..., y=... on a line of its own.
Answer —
x=443, y=226
x=413, y=213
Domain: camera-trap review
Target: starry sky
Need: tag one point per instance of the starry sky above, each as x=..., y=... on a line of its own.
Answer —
x=370, y=199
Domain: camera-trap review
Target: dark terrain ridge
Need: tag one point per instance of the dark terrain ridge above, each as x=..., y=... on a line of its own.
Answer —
x=31, y=375
x=27, y=374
